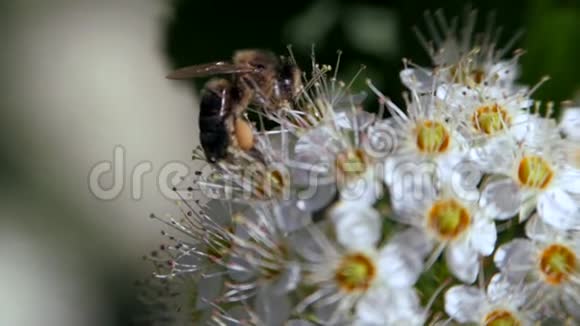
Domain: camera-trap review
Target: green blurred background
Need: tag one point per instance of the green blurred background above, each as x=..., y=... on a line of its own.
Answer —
x=81, y=77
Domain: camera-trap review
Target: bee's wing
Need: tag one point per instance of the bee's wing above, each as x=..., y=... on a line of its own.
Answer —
x=208, y=69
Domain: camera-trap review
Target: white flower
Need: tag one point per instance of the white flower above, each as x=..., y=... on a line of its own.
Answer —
x=570, y=123
x=258, y=176
x=461, y=59
x=444, y=219
x=536, y=174
x=356, y=273
x=234, y=254
x=333, y=158
x=426, y=137
x=482, y=116
x=198, y=249
x=548, y=264
x=490, y=125
x=502, y=304
x=261, y=259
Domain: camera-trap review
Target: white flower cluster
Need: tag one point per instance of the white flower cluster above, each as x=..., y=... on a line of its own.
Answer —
x=350, y=218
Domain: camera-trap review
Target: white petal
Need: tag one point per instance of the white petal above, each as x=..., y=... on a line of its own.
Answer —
x=357, y=226
x=385, y=306
x=570, y=123
x=412, y=187
x=528, y=205
x=399, y=266
x=312, y=146
x=290, y=218
x=558, y=209
x=569, y=181
x=341, y=120
x=504, y=71
x=307, y=243
x=500, y=289
x=305, y=174
x=464, y=303
x=316, y=198
x=461, y=176
x=539, y=130
x=519, y=127
x=414, y=239
x=515, y=259
x=462, y=260
x=571, y=301
x=537, y=229
x=272, y=309
x=362, y=190
x=370, y=309
x=496, y=155
x=417, y=79
x=287, y=281
x=483, y=236
x=406, y=309
x=382, y=139
x=456, y=95
x=501, y=199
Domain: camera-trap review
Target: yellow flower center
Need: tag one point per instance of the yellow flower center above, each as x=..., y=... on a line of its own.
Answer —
x=432, y=137
x=489, y=119
x=535, y=172
x=501, y=318
x=466, y=75
x=448, y=219
x=351, y=163
x=556, y=263
x=355, y=273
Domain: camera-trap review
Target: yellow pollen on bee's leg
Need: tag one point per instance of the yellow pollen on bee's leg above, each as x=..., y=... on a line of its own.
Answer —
x=244, y=134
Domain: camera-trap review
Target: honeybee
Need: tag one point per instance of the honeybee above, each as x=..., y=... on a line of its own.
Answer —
x=258, y=78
